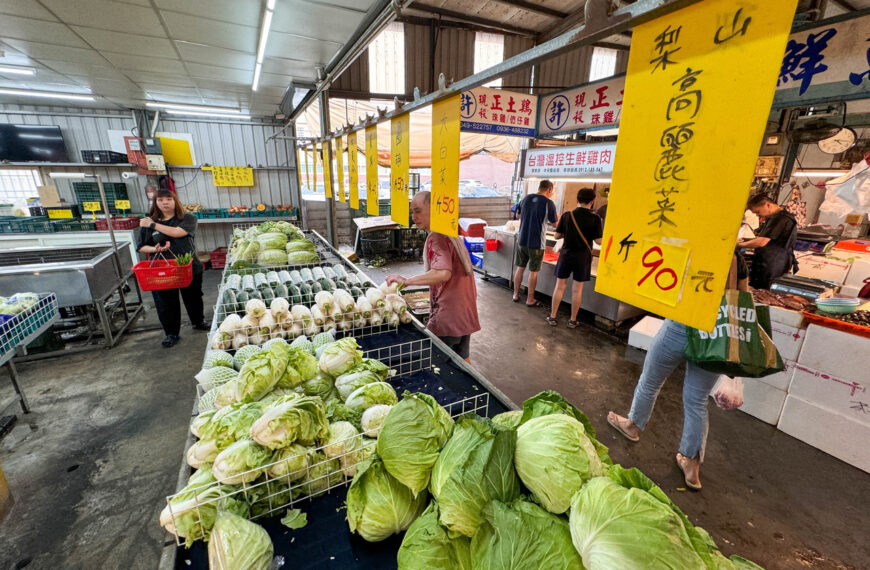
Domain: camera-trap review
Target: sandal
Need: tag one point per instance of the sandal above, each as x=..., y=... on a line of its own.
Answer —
x=689, y=484
x=573, y=324
x=535, y=304
x=613, y=420
x=552, y=321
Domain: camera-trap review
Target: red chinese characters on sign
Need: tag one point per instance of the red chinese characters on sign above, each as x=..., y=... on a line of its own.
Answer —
x=591, y=106
x=586, y=160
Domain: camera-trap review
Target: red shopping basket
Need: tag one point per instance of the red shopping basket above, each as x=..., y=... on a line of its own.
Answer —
x=157, y=274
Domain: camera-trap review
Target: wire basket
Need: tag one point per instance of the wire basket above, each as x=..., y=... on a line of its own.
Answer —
x=159, y=274
x=23, y=328
x=267, y=493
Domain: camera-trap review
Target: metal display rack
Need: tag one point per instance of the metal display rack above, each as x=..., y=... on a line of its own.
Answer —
x=17, y=333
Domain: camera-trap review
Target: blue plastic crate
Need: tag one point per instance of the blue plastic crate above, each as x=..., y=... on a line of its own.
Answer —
x=475, y=244
x=477, y=259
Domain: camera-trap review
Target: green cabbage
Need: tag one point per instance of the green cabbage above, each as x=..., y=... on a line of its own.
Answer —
x=370, y=395
x=260, y=374
x=427, y=546
x=302, y=257
x=340, y=356
x=294, y=519
x=551, y=402
x=265, y=497
x=231, y=423
x=337, y=411
x=350, y=381
x=321, y=385
x=272, y=257
x=272, y=240
x=243, y=354
x=508, y=420
x=238, y=544
x=373, y=418
x=301, y=366
x=322, y=474
x=376, y=366
x=521, y=535
x=378, y=505
x=18, y=303
x=301, y=245
x=299, y=420
x=217, y=358
x=411, y=436
x=241, y=462
x=554, y=458
x=290, y=462
x=475, y=466
x=343, y=439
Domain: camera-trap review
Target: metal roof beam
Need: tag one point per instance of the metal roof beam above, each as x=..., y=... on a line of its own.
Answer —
x=536, y=8
x=845, y=5
x=420, y=7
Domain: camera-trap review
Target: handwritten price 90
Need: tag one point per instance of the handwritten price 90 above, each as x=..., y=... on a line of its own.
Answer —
x=665, y=277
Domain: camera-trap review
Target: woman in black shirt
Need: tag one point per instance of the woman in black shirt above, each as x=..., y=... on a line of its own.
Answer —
x=580, y=227
x=169, y=231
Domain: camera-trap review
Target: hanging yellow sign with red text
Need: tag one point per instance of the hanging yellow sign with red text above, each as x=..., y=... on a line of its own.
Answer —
x=339, y=167
x=444, y=206
x=400, y=153
x=684, y=161
x=353, y=170
x=327, y=169
x=372, y=171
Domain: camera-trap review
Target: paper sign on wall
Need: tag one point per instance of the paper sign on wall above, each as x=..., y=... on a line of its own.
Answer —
x=353, y=169
x=327, y=169
x=231, y=175
x=339, y=167
x=372, y=171
x=400, y=154
x=444, y=205
x=682, y=173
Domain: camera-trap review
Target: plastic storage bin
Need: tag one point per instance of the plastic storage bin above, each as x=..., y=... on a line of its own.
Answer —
x=475, y=244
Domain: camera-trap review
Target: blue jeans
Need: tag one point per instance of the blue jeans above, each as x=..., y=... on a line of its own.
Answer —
x=665, y=354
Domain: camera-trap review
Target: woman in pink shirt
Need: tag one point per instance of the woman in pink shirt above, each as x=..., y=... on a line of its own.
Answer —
x=450, y=277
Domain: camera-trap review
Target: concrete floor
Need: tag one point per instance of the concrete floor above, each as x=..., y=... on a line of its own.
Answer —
x=91, y=464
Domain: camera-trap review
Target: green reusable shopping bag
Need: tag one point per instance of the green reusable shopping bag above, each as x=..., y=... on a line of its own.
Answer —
x=740, y=343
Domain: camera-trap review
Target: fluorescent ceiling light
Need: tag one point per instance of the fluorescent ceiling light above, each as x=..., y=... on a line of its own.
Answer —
x=261, y=45
x=820, y=173
x=46, y=94
x=197, y=108
x=198, y=114
x=17, y=70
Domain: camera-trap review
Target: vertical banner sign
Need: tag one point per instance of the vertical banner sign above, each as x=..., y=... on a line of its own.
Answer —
x=372, y=171
x=307, y=172
x=682, y=174
x=353, y=169
x=327, y=169
x=400, y=152
x=444, y=206
x=339, y=167
x=314, y=166
x=299, y=169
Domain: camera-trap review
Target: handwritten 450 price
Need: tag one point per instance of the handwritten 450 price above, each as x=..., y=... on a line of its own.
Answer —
x=661, y=271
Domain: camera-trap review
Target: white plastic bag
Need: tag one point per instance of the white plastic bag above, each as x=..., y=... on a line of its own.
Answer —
x=729, y=393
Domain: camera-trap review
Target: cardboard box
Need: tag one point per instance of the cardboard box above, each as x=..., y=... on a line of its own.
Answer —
x=838, y=353
x=787, y=317
x=780, y=380
x=833, y=433
x=788, y=340
x=818, y=267
x=763, y=401
x=858, y=273
x=847, y=397
x=641, y=335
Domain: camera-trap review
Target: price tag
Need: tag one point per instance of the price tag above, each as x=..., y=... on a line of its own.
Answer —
x=91, y=206
x=353, y=169
x=339, y=167
x=372, y=207
x=327, y=169
x=122, y=204
x=399, y=156
x=661, y=270
x=444, y=206
x=60, y=214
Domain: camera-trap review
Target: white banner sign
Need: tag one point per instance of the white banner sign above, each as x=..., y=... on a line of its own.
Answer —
x=485, y=110
x=589, y=106
x=580, y=161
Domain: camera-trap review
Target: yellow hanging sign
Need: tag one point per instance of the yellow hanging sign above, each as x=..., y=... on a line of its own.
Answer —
x=339, y=167
x=444, y=206
x=122, y=204
x=231, y=175
x=372, y=171
x=400, y=153
x=91, y=206
x=307, y=171
x=314, y=166
x=682, y=174
x=353, y=169
x=327, y=169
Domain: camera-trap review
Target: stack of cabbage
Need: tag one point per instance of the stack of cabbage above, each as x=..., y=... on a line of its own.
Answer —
x=271, y=244
x=331, y=311
x=286, y=424
x=18, y=303
x=531, y=488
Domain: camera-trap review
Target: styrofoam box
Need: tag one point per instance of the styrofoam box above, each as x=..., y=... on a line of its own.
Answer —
x=641, y=335
x=818, y=267
x=849, y=291
x=836, y=352
x=787, y=317
x=848, y=397
x=788, y=340
x=762, y=400
x=833, y=433
x=860, y=270
x=780, y=380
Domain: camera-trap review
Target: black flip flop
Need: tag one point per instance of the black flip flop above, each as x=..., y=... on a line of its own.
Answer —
x=516, y=299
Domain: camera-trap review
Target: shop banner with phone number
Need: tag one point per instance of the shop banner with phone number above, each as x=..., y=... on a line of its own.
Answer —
x=444, y=206
x=684, y=159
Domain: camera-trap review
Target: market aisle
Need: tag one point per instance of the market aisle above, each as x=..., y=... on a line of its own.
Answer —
x=767, y=496
x=91, y=464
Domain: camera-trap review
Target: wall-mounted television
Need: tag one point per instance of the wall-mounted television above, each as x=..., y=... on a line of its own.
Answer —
x=32, y=143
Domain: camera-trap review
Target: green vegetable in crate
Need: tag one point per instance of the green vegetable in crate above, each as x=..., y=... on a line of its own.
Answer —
x=228, y=299
x=18, y=303
x=254, y=295
x=340, y=356
x=350, y=381
x=267, y=294
x=280, y=290
x=284, y=277
x=291, y=462
x=184, y=259
x=337, y=411
x=217, y=358
x=294, y=519
x=508, y=420
x=301, y=420
x=318, y=273
x=378, y=505
x=343, y=439
x=231, y=423
x=373, y=418
x=327, y=284
x=248, y=283
x=238, y=544
x=329, y=272
x=301, y=366
x=321, y=385
x=215, y=376
x=428, y=546
x=234, y=282
x=322, y=475
x=370, y=395
x=521, y=534
x=306, y=274
x=358, y=293
x=302, y=257
x=321, y=339
x=339, y=271
x=272, y=278
x=306, y=294
x=303, y=343
x=242, y=297
x=272, y=240
x=315, y=287
x=475, y=467
x=300, y=246
x=241, y=462
x=259, y=375
x=411, y=437
x=273, y=258
x=260, y=280
x=200, y=420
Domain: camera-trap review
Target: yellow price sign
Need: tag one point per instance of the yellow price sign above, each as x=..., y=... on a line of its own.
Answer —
x=327, y=169
x=232, y=175
x=60, y=214
x=400, y=153
x=122, y=204
x=444, y=206
x=372, y=171
x=91, y=206
x=339, y=167
x=353, y=169
x=667, y=246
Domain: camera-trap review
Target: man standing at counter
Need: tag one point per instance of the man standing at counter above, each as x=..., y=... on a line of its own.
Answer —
x=535, y=211
x=450, y=277
x=773, y=243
